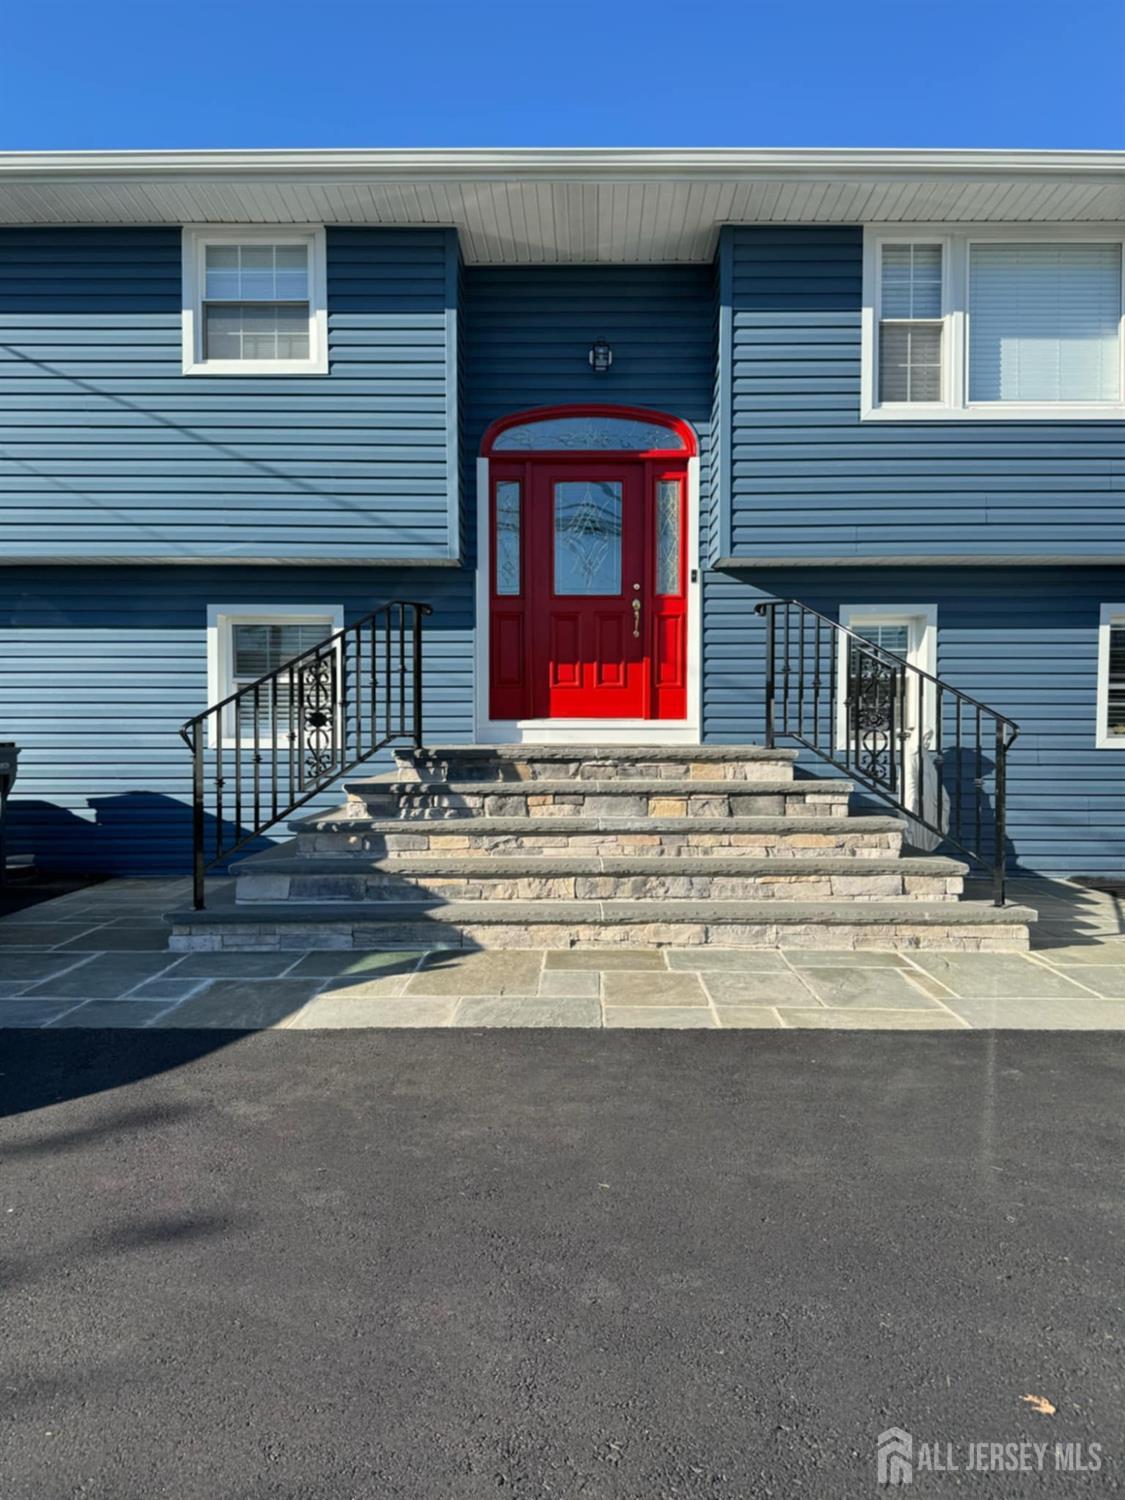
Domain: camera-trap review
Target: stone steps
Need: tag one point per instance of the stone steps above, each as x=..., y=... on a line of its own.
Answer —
x=782, y=837
x=295, y=925
x=605, y=763
x=387, y=796
x=404, y=877
x=560, y=846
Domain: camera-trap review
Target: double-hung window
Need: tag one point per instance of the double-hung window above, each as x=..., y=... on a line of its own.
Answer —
x=254, y=302
x=993, y=325
x=246, y=643
x=1111, y=678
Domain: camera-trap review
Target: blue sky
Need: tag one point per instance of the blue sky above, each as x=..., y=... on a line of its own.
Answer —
x=240, y=73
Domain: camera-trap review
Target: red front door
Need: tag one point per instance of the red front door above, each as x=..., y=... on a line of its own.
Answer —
x=589, y=588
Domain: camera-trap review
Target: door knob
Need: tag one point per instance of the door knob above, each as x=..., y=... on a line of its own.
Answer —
x=636, y=619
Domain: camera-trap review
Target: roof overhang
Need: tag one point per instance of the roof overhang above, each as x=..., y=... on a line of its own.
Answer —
x=515, y=207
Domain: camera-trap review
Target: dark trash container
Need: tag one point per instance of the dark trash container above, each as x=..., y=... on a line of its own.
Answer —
x=9, y=758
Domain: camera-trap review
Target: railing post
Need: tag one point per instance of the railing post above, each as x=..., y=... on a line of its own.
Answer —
x=198, y=860
x=999, y=869
x=416, y=647
x=771, y=672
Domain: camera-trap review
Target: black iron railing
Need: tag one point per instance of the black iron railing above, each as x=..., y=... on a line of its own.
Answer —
x=925, y=747
x=269, y=747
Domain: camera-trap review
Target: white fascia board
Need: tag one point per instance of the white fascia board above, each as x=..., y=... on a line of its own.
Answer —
x=577, y=163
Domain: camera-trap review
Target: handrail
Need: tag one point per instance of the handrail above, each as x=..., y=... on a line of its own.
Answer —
x=311, y=720
x=933, y=752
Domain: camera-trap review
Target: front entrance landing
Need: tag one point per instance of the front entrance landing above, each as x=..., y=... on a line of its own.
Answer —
x=97, y=957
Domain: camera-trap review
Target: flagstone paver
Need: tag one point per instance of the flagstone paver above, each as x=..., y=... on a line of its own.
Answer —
x=872, y=989
x=127, y=1013
x=679, y=1018
x=704, y=960
x=32, y=1012
x=243, y=1004
x=482, y=1011
x=873, y=1020
x=993, y=974
x=748, y=1017
x=570, y=982
x=757, y=989
x=84, y=958
x=606, y=959
x=478, y=974
x=1046, y=1014
x=651, y=988
x=104, y=976
x=334, y=1011
x=236, y=965
x=28, y=969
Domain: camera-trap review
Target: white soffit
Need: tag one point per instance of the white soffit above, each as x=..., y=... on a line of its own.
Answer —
x=534, y=207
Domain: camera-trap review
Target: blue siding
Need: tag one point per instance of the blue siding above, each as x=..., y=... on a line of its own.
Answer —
x=108, y=450
x=807, y=480
x=98, y=669
x=1023, y=640
x=529, y=333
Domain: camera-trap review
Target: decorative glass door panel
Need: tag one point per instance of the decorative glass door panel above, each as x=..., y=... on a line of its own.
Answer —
x=587, y=536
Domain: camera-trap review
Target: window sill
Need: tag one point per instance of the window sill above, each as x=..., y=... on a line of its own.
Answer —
x=997, y=413
x=256, y=367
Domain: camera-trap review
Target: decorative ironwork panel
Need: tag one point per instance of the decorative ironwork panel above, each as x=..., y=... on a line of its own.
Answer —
x=668, y=549
x=508, y=536
x=316, y=696
x=588, y=536
x=592, y=432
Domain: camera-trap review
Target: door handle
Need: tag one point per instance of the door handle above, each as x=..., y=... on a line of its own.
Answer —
x=636, y=619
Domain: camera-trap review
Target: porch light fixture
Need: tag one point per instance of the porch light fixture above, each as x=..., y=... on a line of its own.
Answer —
x=601, y=356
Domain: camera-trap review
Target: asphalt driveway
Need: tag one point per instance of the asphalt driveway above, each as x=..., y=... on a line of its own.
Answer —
x=552, y=1264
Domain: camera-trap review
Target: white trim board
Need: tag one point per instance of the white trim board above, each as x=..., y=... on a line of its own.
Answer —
x=686, y=731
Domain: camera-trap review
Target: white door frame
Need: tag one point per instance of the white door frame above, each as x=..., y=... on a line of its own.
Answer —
x=684, y=731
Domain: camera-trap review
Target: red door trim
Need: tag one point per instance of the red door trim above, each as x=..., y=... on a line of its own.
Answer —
x=595, y=409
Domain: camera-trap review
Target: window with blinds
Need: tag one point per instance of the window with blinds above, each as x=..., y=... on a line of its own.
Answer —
x=911, y=332
x=1112, y=674
x=255, y=302
x=1045, y=322
x=257, y=648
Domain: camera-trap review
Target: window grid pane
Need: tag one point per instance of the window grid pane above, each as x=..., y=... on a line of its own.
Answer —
x=260, y=273
x=508, y=536
x=910, y=360
x=241, y=330
x=1115, y=710
x=1044, y=322
x=911, y=281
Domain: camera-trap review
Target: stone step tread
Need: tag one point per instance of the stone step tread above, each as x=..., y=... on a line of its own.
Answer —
x=223, y=911
x=640, y=786
x=507, y=866
x=339, y=822
x=687, y=754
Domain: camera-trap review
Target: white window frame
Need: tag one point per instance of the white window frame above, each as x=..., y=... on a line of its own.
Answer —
x=921, y=651
x=1112, y=614
x=221, y=619
x=955, y=405
x=195, y=243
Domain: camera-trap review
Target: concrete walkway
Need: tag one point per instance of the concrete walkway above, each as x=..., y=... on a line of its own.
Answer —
x=97, y=956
